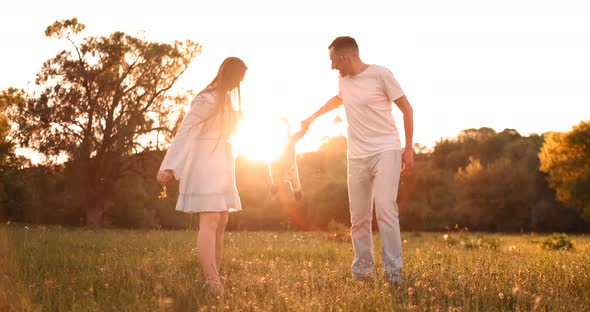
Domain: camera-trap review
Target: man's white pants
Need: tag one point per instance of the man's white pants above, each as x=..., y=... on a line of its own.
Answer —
x=375, y=179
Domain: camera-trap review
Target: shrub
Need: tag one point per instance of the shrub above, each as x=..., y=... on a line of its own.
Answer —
x=558, y=241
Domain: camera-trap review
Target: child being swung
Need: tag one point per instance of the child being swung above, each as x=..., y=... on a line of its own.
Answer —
x=284, y=168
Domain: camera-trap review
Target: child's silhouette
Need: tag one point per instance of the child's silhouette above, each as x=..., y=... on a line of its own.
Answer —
x=284, y=168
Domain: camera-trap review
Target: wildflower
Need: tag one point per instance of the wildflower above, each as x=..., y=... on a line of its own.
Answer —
x=446, y=236
x=163, y=193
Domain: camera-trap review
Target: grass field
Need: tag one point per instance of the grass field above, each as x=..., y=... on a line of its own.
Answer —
x=56, y=269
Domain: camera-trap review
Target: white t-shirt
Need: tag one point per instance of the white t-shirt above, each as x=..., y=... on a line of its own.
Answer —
x=367, y=99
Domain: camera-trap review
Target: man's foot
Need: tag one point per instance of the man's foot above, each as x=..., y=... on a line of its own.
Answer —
x=298, y=195
x=394, y=278
x=368, y=277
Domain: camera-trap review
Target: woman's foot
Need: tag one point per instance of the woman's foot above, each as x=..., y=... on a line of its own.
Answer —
x=215, y=288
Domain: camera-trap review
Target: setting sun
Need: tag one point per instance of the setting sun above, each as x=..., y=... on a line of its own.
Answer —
x=260, y=137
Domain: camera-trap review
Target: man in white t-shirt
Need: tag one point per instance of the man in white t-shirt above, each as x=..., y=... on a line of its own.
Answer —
x=375, y=154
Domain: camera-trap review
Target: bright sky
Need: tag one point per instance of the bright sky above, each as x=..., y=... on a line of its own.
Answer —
x=522, y=64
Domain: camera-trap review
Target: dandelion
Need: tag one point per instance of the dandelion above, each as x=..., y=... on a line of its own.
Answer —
x=163, y=193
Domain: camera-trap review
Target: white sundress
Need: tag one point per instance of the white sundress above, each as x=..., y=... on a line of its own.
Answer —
x=204, y=164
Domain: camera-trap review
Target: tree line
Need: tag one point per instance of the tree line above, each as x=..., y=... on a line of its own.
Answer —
x=108, y=105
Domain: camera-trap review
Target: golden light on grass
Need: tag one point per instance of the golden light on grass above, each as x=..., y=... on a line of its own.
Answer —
x=126, y=270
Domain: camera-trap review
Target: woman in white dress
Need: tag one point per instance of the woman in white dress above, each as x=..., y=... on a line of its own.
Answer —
x=201, y=158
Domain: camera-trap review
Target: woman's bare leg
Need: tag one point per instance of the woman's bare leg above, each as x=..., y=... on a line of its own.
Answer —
x=223, y=217
x=206, y=249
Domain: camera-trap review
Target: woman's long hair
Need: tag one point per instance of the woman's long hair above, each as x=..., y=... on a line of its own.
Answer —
x=227, y=85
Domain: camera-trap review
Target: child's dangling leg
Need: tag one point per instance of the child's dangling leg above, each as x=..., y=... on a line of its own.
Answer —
x=274, y=184
x=274, y=191
x=293, y=176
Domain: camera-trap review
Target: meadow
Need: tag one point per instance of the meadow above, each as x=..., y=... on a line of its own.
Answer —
x=45, y=268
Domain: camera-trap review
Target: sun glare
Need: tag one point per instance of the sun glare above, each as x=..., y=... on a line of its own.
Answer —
x=260, y=138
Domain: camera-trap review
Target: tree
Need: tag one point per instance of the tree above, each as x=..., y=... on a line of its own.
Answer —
x=9, y=161
x=497, y=186
x=499, y=196
x=102, y=101
x=565, y=157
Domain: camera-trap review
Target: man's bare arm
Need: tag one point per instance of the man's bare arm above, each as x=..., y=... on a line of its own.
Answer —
x=333, y=103
x=408, y=156
x=299, y=134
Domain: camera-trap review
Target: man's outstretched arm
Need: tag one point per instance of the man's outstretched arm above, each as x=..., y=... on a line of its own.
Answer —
x=333, y=103
x=299, y=134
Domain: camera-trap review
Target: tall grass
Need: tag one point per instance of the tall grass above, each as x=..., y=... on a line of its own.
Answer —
x=56, y=269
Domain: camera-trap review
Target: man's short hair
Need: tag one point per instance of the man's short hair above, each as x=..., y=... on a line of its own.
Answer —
x=344, y=43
